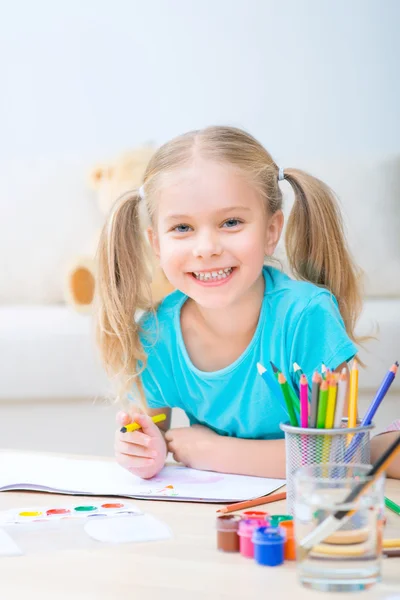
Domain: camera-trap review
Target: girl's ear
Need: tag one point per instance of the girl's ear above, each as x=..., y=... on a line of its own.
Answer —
x=154, y=242
x=274, y=230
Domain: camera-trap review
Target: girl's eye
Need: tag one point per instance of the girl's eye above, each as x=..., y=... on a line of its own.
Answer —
x=230, y=223
x=182, y=228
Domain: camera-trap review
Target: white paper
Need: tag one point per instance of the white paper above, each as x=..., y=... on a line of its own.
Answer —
x=7, y=545
x=141, y=528
x=24, y=471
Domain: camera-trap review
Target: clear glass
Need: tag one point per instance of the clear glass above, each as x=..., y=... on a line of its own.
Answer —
x=347, y=558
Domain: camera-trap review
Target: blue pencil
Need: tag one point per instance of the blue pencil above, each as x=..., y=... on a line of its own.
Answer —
x=373, y=407
x=271, y=383
x=380, y=394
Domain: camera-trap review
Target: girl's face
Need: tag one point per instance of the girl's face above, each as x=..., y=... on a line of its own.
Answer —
x=212, y=233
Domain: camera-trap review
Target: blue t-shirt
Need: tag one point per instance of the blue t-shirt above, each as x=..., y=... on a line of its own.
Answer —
x=299, y=322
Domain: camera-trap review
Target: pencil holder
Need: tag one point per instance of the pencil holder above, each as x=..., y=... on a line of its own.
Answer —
x=306, y=446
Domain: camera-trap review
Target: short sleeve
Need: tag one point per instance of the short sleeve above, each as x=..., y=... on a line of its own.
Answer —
x=154, y=393
x=320, y=336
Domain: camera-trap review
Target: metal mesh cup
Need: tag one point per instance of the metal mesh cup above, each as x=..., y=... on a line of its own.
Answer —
x=306, y=446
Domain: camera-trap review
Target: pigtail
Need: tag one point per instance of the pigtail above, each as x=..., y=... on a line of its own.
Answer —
x=316, y=246
x=123, y=288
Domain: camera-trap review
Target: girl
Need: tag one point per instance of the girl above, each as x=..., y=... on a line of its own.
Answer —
x=381, y=442
x=215, y=208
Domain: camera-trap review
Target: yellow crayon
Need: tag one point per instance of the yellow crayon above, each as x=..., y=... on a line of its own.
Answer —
x=134, y=426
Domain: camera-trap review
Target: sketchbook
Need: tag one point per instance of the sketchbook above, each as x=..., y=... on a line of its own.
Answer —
x=40, y=472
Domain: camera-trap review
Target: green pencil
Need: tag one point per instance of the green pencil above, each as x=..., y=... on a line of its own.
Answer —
x=288, y=399
x=392, y=506
x=293, y=395
x=322, y=404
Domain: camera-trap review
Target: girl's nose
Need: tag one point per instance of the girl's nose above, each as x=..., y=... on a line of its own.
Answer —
x=207, y=244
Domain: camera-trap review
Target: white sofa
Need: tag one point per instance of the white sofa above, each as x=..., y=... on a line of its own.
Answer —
x=49, y=352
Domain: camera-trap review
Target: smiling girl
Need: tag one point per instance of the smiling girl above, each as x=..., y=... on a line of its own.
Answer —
x=215, y=207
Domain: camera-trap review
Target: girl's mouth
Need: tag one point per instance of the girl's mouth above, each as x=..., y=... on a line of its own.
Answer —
x=216, y=277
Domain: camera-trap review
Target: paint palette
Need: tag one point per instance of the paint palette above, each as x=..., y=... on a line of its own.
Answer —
x=75, y=511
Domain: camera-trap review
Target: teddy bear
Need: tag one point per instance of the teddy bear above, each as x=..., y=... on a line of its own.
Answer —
x=109, y=182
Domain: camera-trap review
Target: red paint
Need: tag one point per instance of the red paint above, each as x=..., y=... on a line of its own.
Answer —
x=57, y=511
x=112, y=505
x=255, y=514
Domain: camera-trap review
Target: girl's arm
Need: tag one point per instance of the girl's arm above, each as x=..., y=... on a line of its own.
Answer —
x=164, y=425
x=260, y=458
x=379, y=444
x=201, y=448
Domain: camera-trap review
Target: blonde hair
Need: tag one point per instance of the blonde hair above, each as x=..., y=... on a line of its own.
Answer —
x=315, y=241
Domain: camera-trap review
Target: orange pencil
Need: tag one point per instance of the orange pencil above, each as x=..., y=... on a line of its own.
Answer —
x=251, y=503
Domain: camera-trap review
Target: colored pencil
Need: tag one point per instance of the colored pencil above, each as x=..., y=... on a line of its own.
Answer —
x=341, y=398
x=295, y=400
x=391, y=505
x=323, y=371
x=352, y=420
x=288, y=399
x=298, y=372
x=373, y=407
x=335, y=521
x=303, y=401
x=250, y=503
x=316, y=382
x=380, y=394
x=270, y=381
x=331, y=403
x=134, y=426
x=322, y=404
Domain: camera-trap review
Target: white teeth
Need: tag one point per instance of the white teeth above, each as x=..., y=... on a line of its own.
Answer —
x=207, y=276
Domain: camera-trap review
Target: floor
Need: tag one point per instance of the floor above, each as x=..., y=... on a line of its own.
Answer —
x=87, y=427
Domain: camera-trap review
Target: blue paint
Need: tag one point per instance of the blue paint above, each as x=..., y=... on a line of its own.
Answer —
x=269, y=545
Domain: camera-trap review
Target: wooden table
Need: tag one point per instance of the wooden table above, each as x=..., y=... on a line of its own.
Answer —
x=188, y=567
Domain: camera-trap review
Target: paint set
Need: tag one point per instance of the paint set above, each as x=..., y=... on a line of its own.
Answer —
x=268, y=539
x=48, y=529
x=36, y=514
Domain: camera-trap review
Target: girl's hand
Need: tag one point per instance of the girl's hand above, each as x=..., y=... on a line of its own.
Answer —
x=193, y=446
x=141, y=452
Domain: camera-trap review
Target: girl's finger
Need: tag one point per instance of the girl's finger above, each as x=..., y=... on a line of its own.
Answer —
x=134, y=462
x=134, y=450
x=147, y=425
x=123, y=418
x=135, y=437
